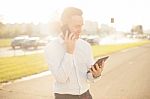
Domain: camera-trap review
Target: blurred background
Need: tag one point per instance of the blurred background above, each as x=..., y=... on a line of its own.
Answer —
x=32, y=24
x=102, y=18
x=119, y=28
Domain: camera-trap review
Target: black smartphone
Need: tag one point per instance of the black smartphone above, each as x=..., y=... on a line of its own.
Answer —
x=65, y=29
x=99, y=62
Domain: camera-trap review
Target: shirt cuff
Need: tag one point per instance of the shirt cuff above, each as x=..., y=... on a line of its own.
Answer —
x=91, y=78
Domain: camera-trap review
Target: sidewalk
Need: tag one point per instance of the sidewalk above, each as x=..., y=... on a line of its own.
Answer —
x=37, y=88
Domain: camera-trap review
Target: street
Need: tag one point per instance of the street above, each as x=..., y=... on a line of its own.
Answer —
x=126, y=75
x=8, y=51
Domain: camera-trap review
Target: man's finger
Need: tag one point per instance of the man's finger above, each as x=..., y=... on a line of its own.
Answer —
x=94, y=69
x=73, y=38
x=91, y=71
x=98, y=67
x=70, y=36
x=66, y=35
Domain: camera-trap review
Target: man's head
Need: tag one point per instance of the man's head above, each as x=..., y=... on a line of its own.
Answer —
x=73, y=18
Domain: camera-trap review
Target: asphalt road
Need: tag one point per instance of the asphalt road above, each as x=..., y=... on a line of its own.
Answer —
x=8, y=51
x=126, y=76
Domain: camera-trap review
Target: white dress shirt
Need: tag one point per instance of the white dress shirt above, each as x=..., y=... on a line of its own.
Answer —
x=70, y=70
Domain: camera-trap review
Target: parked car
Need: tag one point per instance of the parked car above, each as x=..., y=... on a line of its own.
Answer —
x=17, y=41
x=92, y=39
x=32, y=42
x=42, y=43
x=148, y=37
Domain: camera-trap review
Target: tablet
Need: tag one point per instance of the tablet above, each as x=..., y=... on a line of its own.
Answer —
x=99, y=62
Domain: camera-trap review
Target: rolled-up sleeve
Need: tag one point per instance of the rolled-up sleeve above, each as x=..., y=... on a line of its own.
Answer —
x=91, y=62
x=91, y=78
x=60, y=63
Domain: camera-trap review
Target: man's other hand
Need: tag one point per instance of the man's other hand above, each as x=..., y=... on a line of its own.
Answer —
x=97, y=72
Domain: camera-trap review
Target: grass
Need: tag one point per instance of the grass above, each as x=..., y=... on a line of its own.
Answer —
x=5, y=42
x=12, y=68
x=107, y=49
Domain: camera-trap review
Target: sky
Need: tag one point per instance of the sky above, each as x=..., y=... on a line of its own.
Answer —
x=125, y=12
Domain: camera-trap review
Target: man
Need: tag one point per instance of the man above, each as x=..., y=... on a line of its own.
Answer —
x=69, y=58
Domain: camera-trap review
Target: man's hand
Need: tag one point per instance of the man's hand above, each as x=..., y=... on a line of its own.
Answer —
x=97, y=72
x=69, y=40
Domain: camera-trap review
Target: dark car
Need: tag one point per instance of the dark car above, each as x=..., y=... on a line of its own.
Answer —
x=17, y=41
x=148, y=37
x=93, y=40
x=32, y=42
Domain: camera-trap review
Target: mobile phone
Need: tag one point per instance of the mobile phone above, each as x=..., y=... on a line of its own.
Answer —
x=65, y=29
x=99, y=62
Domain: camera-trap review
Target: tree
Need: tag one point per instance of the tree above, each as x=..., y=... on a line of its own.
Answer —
x=137, y=29
x=2, y=30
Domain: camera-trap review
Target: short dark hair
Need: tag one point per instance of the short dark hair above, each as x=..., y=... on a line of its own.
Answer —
x=69, y=12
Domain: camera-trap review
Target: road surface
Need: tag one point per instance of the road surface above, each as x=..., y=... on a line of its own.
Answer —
x=8, y=51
